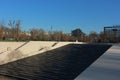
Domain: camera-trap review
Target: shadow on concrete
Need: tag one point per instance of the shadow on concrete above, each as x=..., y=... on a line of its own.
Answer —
x=64, y=63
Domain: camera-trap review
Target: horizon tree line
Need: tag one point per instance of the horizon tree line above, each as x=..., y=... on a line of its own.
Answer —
x=14, y=32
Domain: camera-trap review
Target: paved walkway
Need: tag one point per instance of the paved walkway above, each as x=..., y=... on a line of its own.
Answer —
x=107, y=67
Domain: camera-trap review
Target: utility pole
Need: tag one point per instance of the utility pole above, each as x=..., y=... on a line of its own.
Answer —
x=51, y=29
x=51, y=33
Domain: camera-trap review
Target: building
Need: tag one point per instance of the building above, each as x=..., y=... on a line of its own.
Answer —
x=112, y=33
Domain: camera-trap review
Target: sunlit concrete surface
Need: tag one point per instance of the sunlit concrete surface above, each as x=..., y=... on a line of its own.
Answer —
x=8, y=46
x=107, y=67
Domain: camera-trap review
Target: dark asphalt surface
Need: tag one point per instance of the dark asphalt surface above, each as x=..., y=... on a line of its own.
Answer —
x=64, y=63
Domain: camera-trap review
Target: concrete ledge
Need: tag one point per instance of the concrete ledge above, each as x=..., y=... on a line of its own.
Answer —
x=12, y=51
x=107, y=67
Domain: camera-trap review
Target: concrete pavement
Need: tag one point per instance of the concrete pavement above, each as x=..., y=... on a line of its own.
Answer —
x=107, y=67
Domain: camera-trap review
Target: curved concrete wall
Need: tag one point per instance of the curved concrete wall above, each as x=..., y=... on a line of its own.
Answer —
x=63, y=63
x=6, y=48
x=12, y=51
x=9, y=46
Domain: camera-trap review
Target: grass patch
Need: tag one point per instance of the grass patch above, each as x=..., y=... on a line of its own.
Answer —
x=7, y=40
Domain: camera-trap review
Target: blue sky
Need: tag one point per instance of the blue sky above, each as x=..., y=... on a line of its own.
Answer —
x=65, y=15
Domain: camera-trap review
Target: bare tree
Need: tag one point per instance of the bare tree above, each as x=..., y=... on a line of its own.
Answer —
x=57, y=35
x=33, y=33
x=15, y=29
x=12, y=26
x=41, y=34
x=1, y=32
x=93, y=37
x=2, y=28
